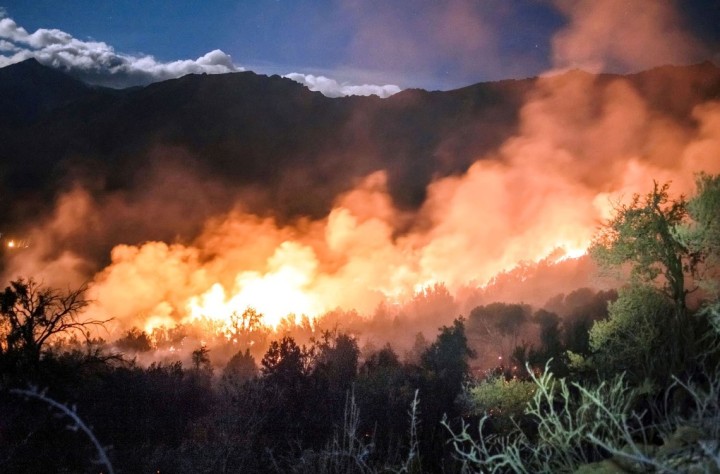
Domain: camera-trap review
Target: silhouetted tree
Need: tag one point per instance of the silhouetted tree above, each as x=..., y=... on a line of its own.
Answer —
x=285, y=362
x=384, y=391
x=285, y=369
x=30, y=315
x=241, y=367
x=550, y=346
x=246, y=329
x=134, y=340
x=445, y=369
x=336, y=363
x=499, y=325
x=201, y=358
x=579, y=310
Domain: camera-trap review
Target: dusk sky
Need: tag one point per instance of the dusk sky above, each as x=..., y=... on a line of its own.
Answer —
x=429, y=44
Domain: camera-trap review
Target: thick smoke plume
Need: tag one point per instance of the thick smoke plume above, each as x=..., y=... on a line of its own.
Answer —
x=583, y=144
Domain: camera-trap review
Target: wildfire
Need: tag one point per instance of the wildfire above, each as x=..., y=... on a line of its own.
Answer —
x=275, y=294
x=14, y=244
x=539, y=198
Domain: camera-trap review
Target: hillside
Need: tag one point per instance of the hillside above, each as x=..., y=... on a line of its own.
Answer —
x=292, y=149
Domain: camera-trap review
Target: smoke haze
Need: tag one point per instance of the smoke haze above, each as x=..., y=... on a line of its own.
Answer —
x=583, y=143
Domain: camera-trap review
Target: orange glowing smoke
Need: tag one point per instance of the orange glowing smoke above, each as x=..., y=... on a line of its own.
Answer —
x=580, y=147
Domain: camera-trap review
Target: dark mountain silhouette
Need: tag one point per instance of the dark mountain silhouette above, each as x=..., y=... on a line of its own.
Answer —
x=29, y=89
x=283, y=149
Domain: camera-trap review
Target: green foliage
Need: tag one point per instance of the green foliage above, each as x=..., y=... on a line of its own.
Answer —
x=702, y=235
x=639, y=327
x=659, y=237
x=446, y=363
x=567, y=417
x=501, y=399
x=642, y=234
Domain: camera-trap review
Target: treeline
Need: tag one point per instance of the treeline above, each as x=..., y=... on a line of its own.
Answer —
x=625, y=381
x=284, y=413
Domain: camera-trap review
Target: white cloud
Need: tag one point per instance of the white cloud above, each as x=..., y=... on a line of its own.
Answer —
x=8, y=46
x=332, y=88
x=98, y=63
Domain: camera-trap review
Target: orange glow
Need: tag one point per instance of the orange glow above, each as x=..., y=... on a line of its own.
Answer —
x=11, y=244
x=580, y=149
x=275, y=294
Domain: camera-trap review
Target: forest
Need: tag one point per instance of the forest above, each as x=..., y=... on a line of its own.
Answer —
x=623, y=380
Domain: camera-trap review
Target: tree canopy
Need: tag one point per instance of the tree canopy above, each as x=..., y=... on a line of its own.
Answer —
x=642, y=234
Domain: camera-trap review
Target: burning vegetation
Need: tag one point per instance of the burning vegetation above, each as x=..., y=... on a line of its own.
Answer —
x=413, y=284
x=309, y=380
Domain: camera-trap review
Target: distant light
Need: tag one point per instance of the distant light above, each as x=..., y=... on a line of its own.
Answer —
x=11, y=244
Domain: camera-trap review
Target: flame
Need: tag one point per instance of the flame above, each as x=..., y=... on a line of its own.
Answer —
x=280, y=291
x=580, y=147
x=11, y=244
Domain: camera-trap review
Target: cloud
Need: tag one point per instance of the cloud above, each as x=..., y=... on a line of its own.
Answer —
x=8, y=46
x=331, y=88
x=97, y=62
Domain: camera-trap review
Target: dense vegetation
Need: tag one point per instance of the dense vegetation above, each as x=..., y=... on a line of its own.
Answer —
x=610, y=381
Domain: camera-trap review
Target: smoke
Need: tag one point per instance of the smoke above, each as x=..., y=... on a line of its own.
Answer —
x=581, y=146
x=620, y=36
x=583, y=143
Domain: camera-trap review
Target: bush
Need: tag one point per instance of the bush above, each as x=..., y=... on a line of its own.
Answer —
x=640, y=326
x=501, y=399
x=566, y=418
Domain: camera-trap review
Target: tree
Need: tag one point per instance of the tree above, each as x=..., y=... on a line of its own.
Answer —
x=201, y=358
x=702, y=235
x=499, y=325
x=247, y=329
x=285, y=362
x=551, y=346
x=336, y=363
x=637, y=330
x=285, y=369
x=241, y=367
x=134, y=340
x=445, y=369
x=642, y=235
x=667, y=243
x=31, y=314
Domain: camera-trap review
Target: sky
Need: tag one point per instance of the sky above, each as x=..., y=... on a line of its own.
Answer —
x=345, y=47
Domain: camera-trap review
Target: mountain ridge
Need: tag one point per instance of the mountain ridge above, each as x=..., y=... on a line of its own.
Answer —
x=291, y=150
